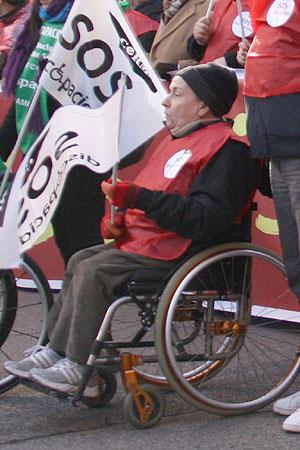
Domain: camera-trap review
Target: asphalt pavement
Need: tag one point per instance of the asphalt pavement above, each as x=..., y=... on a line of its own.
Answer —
x=31, y=420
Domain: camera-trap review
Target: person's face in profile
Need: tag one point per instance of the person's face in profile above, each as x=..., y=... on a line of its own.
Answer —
x=182, y=106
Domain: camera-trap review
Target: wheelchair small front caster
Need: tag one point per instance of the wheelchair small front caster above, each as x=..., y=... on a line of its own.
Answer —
x=146, y=408
x=107, y=386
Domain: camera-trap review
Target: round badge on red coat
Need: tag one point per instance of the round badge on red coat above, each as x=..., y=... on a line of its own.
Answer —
x=237, y=26
x=280, y=12
x=176, y=162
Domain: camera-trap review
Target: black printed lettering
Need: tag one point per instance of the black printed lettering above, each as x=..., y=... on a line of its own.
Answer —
x=80, y=18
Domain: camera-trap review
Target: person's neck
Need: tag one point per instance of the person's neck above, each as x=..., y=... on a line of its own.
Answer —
x=192, y=126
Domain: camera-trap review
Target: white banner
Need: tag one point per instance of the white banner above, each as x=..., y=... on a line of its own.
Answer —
x=85, y=67
x=9, y=255
x=74, y=135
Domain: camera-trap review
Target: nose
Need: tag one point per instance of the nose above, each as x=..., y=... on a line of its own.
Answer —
x=166, y=101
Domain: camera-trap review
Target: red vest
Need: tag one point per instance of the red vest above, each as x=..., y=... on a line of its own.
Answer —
x=171, y=168
x=223, y=39
x=273, y=61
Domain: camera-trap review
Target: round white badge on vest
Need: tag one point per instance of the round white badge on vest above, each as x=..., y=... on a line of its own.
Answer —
x=176, y=162
x=237, y=27
x=280, y=12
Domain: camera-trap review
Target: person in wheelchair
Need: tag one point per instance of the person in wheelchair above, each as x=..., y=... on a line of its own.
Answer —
x=195, y=191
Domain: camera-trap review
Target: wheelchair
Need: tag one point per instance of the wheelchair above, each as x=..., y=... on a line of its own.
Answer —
x=222, y=333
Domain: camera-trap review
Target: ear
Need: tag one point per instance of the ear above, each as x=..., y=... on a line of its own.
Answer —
x=203, y=110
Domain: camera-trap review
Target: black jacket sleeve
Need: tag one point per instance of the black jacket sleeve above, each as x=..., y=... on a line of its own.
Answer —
x=215, y=199
x=195, y=50
x=231, y=61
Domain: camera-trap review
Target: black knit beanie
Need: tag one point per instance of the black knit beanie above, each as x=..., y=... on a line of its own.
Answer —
x=215, y=85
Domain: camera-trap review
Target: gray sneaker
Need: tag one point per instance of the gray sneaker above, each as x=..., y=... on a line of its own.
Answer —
x=64, y=376
x=36, y=357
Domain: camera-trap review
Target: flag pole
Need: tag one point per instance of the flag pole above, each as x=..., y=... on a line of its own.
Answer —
x=19, y=139
x=239, y=7
x=114, y=181
x=209, y=8
x=115, y=166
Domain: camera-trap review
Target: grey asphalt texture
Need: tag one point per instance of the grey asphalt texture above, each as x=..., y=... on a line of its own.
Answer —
x=32, y=420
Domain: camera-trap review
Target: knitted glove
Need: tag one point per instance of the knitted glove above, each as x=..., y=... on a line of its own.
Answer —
x=112, y=231
x=123, y=194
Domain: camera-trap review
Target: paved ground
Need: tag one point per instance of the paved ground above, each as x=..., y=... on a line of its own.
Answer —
x=34, y=421
x=31, y=420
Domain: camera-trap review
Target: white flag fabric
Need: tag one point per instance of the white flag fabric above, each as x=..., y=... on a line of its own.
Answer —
x=9, y=255
x=95, y=53
x=74, y=135
x=96, y=48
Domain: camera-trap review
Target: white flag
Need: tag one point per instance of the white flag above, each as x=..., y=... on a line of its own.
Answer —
x=9, y=256
x=74, y=135
x=95, y=49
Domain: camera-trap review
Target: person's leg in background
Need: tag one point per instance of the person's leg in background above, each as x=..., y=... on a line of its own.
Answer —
x=285, y=179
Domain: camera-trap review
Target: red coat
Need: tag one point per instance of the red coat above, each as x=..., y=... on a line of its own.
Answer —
x=171, y=168
x=273, y=61
x=141, y=23
x=223, y=39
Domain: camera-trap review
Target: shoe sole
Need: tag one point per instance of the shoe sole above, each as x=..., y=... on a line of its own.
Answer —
x=17, y=373
x=291, y=428
x=283, y=411
x=63, y=387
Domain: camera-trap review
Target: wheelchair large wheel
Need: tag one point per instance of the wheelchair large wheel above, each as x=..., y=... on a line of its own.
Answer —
x=247, y=352
x=8, y=302
x=23, y=314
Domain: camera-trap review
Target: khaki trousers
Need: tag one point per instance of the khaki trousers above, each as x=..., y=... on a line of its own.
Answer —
x=92, y=277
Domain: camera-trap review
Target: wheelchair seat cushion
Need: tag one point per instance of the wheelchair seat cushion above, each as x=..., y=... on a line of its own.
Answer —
x=148, y=281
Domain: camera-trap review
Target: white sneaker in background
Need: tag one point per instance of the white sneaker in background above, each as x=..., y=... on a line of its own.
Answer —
x=287, y=405
x=292, y=423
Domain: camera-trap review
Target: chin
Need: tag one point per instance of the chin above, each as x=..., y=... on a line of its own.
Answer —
x=167, y=124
